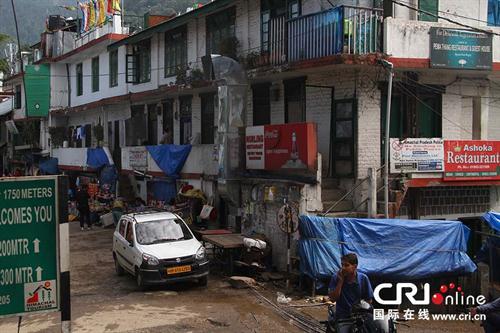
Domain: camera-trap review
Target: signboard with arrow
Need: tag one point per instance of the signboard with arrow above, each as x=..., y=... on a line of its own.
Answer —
x=29, y=269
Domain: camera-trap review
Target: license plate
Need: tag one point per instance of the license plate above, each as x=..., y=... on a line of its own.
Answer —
x=178, y=269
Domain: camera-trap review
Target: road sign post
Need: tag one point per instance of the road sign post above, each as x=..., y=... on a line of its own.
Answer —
x=29, y=245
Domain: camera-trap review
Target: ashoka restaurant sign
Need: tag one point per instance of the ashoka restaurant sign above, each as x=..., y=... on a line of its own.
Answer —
x=471, y=160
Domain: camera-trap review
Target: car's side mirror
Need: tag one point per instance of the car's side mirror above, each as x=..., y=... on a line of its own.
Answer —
x=131, y=243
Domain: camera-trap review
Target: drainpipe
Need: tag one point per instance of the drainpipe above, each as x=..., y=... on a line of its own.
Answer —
x=390, y=68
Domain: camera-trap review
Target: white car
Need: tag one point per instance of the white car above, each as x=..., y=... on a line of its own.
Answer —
x=158, y=248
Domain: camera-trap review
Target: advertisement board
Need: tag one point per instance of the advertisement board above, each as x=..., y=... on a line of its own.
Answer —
x=416, y=155
x=460, y=49
x=285, y=146
x=29, y=270
x=472, y=160
x=138, y=158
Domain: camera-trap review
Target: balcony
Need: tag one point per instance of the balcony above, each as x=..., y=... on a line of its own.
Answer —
x=340, y=30
x=201, y=161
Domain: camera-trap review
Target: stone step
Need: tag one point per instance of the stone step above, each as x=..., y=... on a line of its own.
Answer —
x=344, y=205
x=331, y=194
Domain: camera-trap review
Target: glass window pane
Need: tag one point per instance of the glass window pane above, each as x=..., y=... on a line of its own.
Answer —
x=343, y=149
x=343, y=129
x=343, y=110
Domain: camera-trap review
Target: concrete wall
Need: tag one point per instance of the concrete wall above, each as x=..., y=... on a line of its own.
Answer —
x=410, y=39
x=105, y=91
x=58, y=86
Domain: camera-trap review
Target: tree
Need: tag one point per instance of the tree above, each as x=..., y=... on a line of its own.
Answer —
x=4, y=65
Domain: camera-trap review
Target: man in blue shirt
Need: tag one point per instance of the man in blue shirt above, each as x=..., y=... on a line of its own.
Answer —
x=347, y=288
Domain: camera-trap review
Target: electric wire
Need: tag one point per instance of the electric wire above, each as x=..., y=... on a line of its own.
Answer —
x=445, y=18
x=409, y=93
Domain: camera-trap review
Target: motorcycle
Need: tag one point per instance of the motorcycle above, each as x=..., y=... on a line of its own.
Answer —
x=360, y=321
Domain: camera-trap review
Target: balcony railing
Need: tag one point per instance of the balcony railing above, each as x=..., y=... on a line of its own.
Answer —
x=344, y=29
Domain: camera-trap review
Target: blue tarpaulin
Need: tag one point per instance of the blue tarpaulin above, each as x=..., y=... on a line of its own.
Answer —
x=49, y=166
x=97, y=158
x=493, y=220
x=390, y=248
x=170, y=158
x=163, y=190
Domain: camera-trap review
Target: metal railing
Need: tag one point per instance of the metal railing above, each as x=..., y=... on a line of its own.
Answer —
x=343, y=29
x=277, y=37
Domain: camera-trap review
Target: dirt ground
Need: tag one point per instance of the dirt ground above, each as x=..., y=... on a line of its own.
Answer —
x=104, y=302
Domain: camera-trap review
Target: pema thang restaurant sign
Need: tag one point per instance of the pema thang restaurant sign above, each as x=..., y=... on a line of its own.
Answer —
x=460, y=49
x=471, y=160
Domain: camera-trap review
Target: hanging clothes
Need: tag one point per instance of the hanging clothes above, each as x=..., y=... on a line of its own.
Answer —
x=85, y=17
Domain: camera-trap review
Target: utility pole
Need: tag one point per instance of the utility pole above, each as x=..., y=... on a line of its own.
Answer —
x=390, y=68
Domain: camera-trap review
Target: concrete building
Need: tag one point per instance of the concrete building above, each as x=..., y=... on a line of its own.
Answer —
x=305, y=61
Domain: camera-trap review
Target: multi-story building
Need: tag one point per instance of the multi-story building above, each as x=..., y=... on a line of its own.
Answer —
x=305, y=61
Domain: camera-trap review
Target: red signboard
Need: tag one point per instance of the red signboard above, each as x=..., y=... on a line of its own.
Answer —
x=286, y=146
x=471, y=160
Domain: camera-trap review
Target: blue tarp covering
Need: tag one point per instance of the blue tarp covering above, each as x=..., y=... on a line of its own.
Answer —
x=97, y=158
x=49, y=166
x=493, y=220
x=163, y=190
x=170, y=158
x=108, y=175
x=390, y=248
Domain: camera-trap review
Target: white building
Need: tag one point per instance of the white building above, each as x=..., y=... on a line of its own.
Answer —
x=305, y=62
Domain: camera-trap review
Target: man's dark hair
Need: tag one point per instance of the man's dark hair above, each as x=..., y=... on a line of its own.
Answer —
x=351, y=258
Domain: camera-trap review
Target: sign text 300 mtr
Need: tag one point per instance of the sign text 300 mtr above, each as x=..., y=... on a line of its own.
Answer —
x=28, y=245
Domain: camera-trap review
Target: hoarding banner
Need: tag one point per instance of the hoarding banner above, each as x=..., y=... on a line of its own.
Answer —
x=472, y=160
x=416, y=155
x=285, y=146
x=460, y=49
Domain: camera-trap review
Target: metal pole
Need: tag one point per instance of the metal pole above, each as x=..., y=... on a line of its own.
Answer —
x=388, y=65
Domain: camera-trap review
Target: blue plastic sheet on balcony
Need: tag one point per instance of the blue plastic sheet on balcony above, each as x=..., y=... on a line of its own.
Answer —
x=170, y=158
x=493, y=220
x=389, y=248
x=97, y=158
x=49, y=166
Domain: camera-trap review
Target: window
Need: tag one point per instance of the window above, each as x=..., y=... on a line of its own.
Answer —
x=207, y=118
x=138, y=65
x=221, y=33
x=415, y=113
x=168, y=120
x=295, y=106
x=121, y=229
x=113, y=68
x=17, y=97
x=152, y=124
x=79, y=79
x=185, y=120
x=494, y=13
x=261, y=104
x=95, y=74
x=271, y=9
x=429, y=10
x=136, y=126
x=175, y=51
x=88, y=135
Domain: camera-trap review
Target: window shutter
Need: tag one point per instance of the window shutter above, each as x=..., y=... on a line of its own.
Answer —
x=428, y=6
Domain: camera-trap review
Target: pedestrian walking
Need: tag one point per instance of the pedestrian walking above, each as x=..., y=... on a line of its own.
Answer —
x=82, y=204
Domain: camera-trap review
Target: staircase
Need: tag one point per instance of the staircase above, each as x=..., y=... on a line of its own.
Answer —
x=330, y=195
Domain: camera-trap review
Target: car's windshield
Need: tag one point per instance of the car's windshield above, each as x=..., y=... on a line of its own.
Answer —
x=161, y=231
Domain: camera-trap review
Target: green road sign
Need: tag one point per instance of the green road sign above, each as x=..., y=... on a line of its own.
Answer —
x=28, y=245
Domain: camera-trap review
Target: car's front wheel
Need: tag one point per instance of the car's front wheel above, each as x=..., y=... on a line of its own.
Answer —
x=118, y=269
x=139, y=279
x=203, y=281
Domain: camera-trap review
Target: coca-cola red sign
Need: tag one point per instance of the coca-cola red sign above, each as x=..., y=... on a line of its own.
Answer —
x=285, y=146
x=471, y=160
